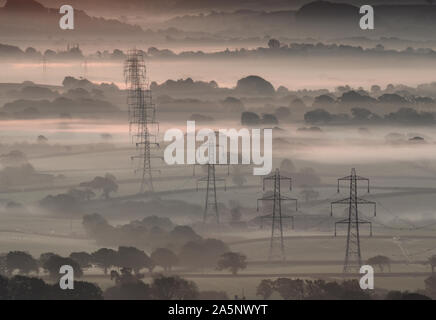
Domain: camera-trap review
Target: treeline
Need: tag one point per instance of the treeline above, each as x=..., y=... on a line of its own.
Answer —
x=403, y=116
x=155, y=232
x=126, y=287
x=273, y=49
x=112, y=261
x=299, y=289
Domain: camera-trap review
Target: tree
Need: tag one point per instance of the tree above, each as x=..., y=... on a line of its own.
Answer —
x=265, y=289
x=41, y=139
x=282, y=112
x=255, y=85
x=131, y=257
x=249, y=118
x=21, y=261
x=274, y=44
x=4, y=287
x=183, y=234
x=106, y=184
x=44, y=257
x=432, y=262
x=82, y=258
x=318, y=116
x=55, y=262
x=26, y=288
x=430, y=286
x=289, y=288
x=399, y=295
x=62, y=203
x=105, y=258
x=380, y=262
x=202, y=253
x=233, y=261
x=173, y=288
x=269, y=119
x=165, y=258
x=125, y=276
x=129, y=291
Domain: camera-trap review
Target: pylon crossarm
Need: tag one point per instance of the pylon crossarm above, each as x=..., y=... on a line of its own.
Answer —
x=271, y=197
x=287, y=198
x=342, y=201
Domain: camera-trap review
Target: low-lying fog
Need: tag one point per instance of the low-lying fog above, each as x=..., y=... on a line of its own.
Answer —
x=295, y=74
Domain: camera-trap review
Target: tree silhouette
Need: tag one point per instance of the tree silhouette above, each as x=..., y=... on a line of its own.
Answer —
x=82, y=258
x=106, y=184
x=173, y=288
x=265, y=288
x=290, y=288
x=133, y=258
x=105, y=258
x=380, y=261
x=274, y=44
x=165, y=258
x=82, y=291
x=21, y=261
x=233, y=261
x=432, y=262
x=430, y=286
x=25, y=288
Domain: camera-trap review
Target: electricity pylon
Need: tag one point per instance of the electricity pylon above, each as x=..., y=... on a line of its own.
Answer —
x=353, y=256
x=142, y=114
x=211, y=202
x=276, y=216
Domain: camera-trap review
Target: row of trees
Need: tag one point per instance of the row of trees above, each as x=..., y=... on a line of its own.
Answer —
x=125, y=257
x=127, y=287
x=298, y=289
x=365, y=116
x=104, y=258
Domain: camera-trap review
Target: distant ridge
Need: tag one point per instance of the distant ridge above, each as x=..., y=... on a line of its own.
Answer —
x=31, y=18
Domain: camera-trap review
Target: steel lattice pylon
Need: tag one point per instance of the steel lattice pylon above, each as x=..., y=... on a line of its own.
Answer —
x=142, y=114
x=353, y=256
x=276, y=216
x=211, y=203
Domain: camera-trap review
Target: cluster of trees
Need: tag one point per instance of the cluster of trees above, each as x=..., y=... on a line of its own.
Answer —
x=275, y=48
x=69, y=202
x=362, y=115
x=127, y=287
x=63, y=107
x=249, y=118
x=18, y=171
x=151, y=231
x=131, y=258
x=30, y=288
x=298, y=289
x=184, y=246
x=19, y=262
